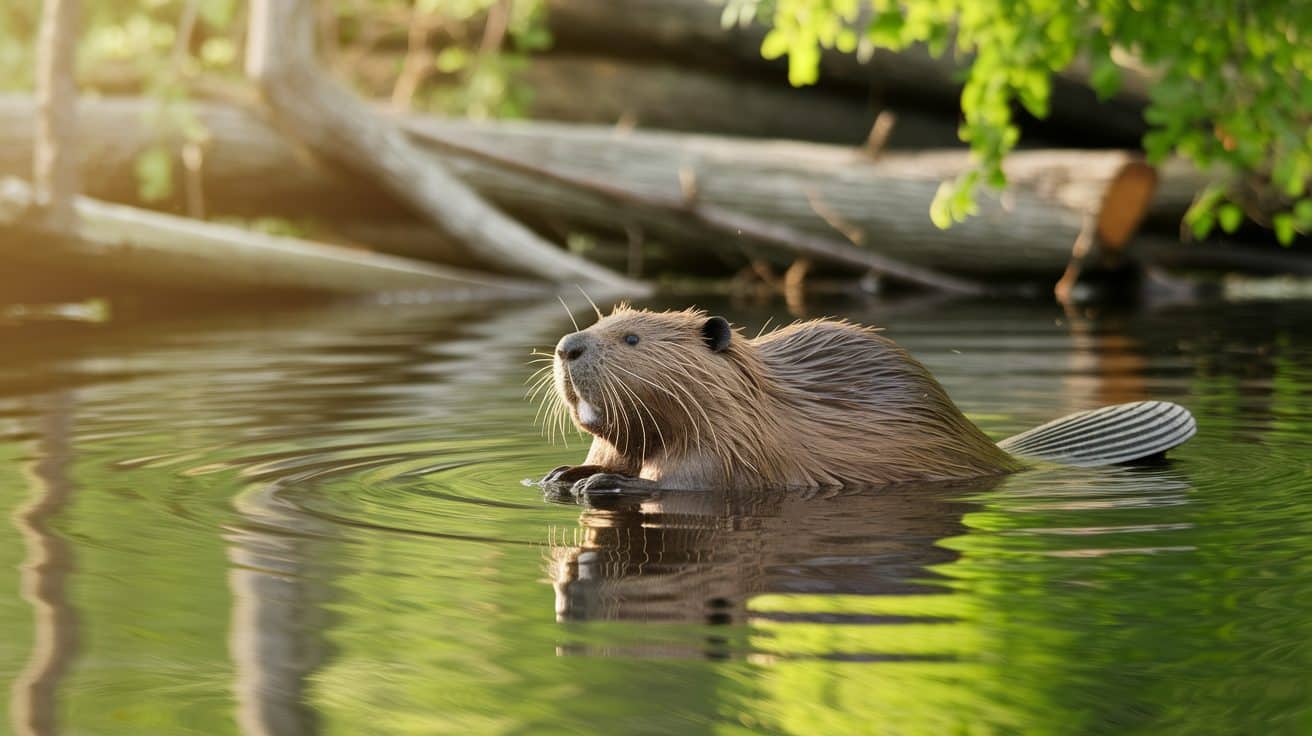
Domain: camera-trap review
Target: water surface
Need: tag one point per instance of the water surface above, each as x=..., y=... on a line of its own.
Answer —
x=314, y=522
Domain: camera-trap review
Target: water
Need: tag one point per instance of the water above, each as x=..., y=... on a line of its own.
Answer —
x=313, y=522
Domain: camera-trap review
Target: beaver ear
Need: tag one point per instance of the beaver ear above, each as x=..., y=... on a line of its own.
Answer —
x=717, y=333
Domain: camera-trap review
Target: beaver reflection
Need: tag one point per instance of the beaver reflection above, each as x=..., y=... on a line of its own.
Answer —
x=700, y=556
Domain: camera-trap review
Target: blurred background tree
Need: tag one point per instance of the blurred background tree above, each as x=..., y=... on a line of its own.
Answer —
x=1229, y=84
x=452, y=57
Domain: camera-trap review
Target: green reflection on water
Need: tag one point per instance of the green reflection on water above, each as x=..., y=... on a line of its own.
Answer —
x=313, y=524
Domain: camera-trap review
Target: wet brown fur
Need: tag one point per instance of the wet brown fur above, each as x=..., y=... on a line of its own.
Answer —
x=813, y=404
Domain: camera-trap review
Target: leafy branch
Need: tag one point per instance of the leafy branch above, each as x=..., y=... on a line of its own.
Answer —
x=1230, y=83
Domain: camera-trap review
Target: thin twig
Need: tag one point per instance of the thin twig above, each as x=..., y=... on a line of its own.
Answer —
x=186, y=29
x=795, y=286
x=880, y=131
x=1080, y=249
x=835, y=220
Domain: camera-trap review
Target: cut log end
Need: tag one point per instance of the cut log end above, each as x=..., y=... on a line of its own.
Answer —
x=1125, y=203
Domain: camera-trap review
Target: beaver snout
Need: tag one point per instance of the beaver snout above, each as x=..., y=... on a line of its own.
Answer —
x=572, y=346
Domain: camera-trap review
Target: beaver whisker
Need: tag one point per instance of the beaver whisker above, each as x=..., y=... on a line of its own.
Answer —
x=568, y=312
x=675, y=361
x=551, y=408
x=691, y=419
x=562, y=419
x=542, y=385
x=539, y=375
x=614, y=404
x=684, y=440
x=607, y=411
x=626, y=429
x=543, y=382
x=735, y=452
x=594, y=304
x=558, y=427
x=641, y=406
x=539, y=380
x=546, y=406
x=542, y=416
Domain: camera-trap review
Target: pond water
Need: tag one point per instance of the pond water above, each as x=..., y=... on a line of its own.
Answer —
x=314, y=522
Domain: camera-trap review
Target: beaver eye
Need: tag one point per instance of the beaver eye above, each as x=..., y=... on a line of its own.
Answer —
x=631, y=339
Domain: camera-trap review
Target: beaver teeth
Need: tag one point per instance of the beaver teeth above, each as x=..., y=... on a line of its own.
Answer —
x=587, y=412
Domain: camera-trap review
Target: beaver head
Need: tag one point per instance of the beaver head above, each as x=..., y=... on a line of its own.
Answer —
x=637, y=379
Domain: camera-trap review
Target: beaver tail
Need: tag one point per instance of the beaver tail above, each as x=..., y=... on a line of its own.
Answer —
x=1121, y=433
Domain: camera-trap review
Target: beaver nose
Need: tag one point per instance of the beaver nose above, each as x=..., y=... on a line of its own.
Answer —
x=572, y=346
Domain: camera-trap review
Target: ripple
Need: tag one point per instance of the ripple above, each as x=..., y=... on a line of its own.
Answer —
x=364, y=467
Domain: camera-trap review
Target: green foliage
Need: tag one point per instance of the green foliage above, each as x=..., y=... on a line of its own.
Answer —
x=147, y=46
x=18, y=24
x=481, y=44
x=1230, y=83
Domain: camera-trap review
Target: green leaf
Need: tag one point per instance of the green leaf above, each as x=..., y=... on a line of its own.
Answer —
x=804, y=65
x=1105, y=78
x=1230, y=216
x=217, y=13
x=451, y=59
x=940, y=209
x=1303, y=213
x=846, y=41
x=885, y=29
x=1033, y=87
x=154, y=171
x=775, y=44
x=1284, y=227
x=1202, y=223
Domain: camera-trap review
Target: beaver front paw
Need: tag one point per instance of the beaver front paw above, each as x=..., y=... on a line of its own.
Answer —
x=571, y=473
x=609, y=483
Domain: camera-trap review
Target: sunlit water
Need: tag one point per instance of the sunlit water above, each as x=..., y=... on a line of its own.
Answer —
x=314, y=522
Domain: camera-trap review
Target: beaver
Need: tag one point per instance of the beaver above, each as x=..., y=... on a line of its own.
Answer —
x=681, y=400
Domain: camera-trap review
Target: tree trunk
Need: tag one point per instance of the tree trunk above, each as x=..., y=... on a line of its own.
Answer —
x=184, y=254
x=884, y=202
x=55, y=169
x=331, y=122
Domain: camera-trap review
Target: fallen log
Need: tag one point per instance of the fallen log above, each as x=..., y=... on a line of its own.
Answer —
x=312, y=108
x=730, y=224
x=1220, y=256
x=241, y=150
x=1028, y=231
x=691, y=30
x=119, y=242
x=656, y=95
x=1182, y=182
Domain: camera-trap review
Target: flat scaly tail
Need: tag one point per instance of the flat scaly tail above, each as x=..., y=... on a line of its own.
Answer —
x=1121, y=433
